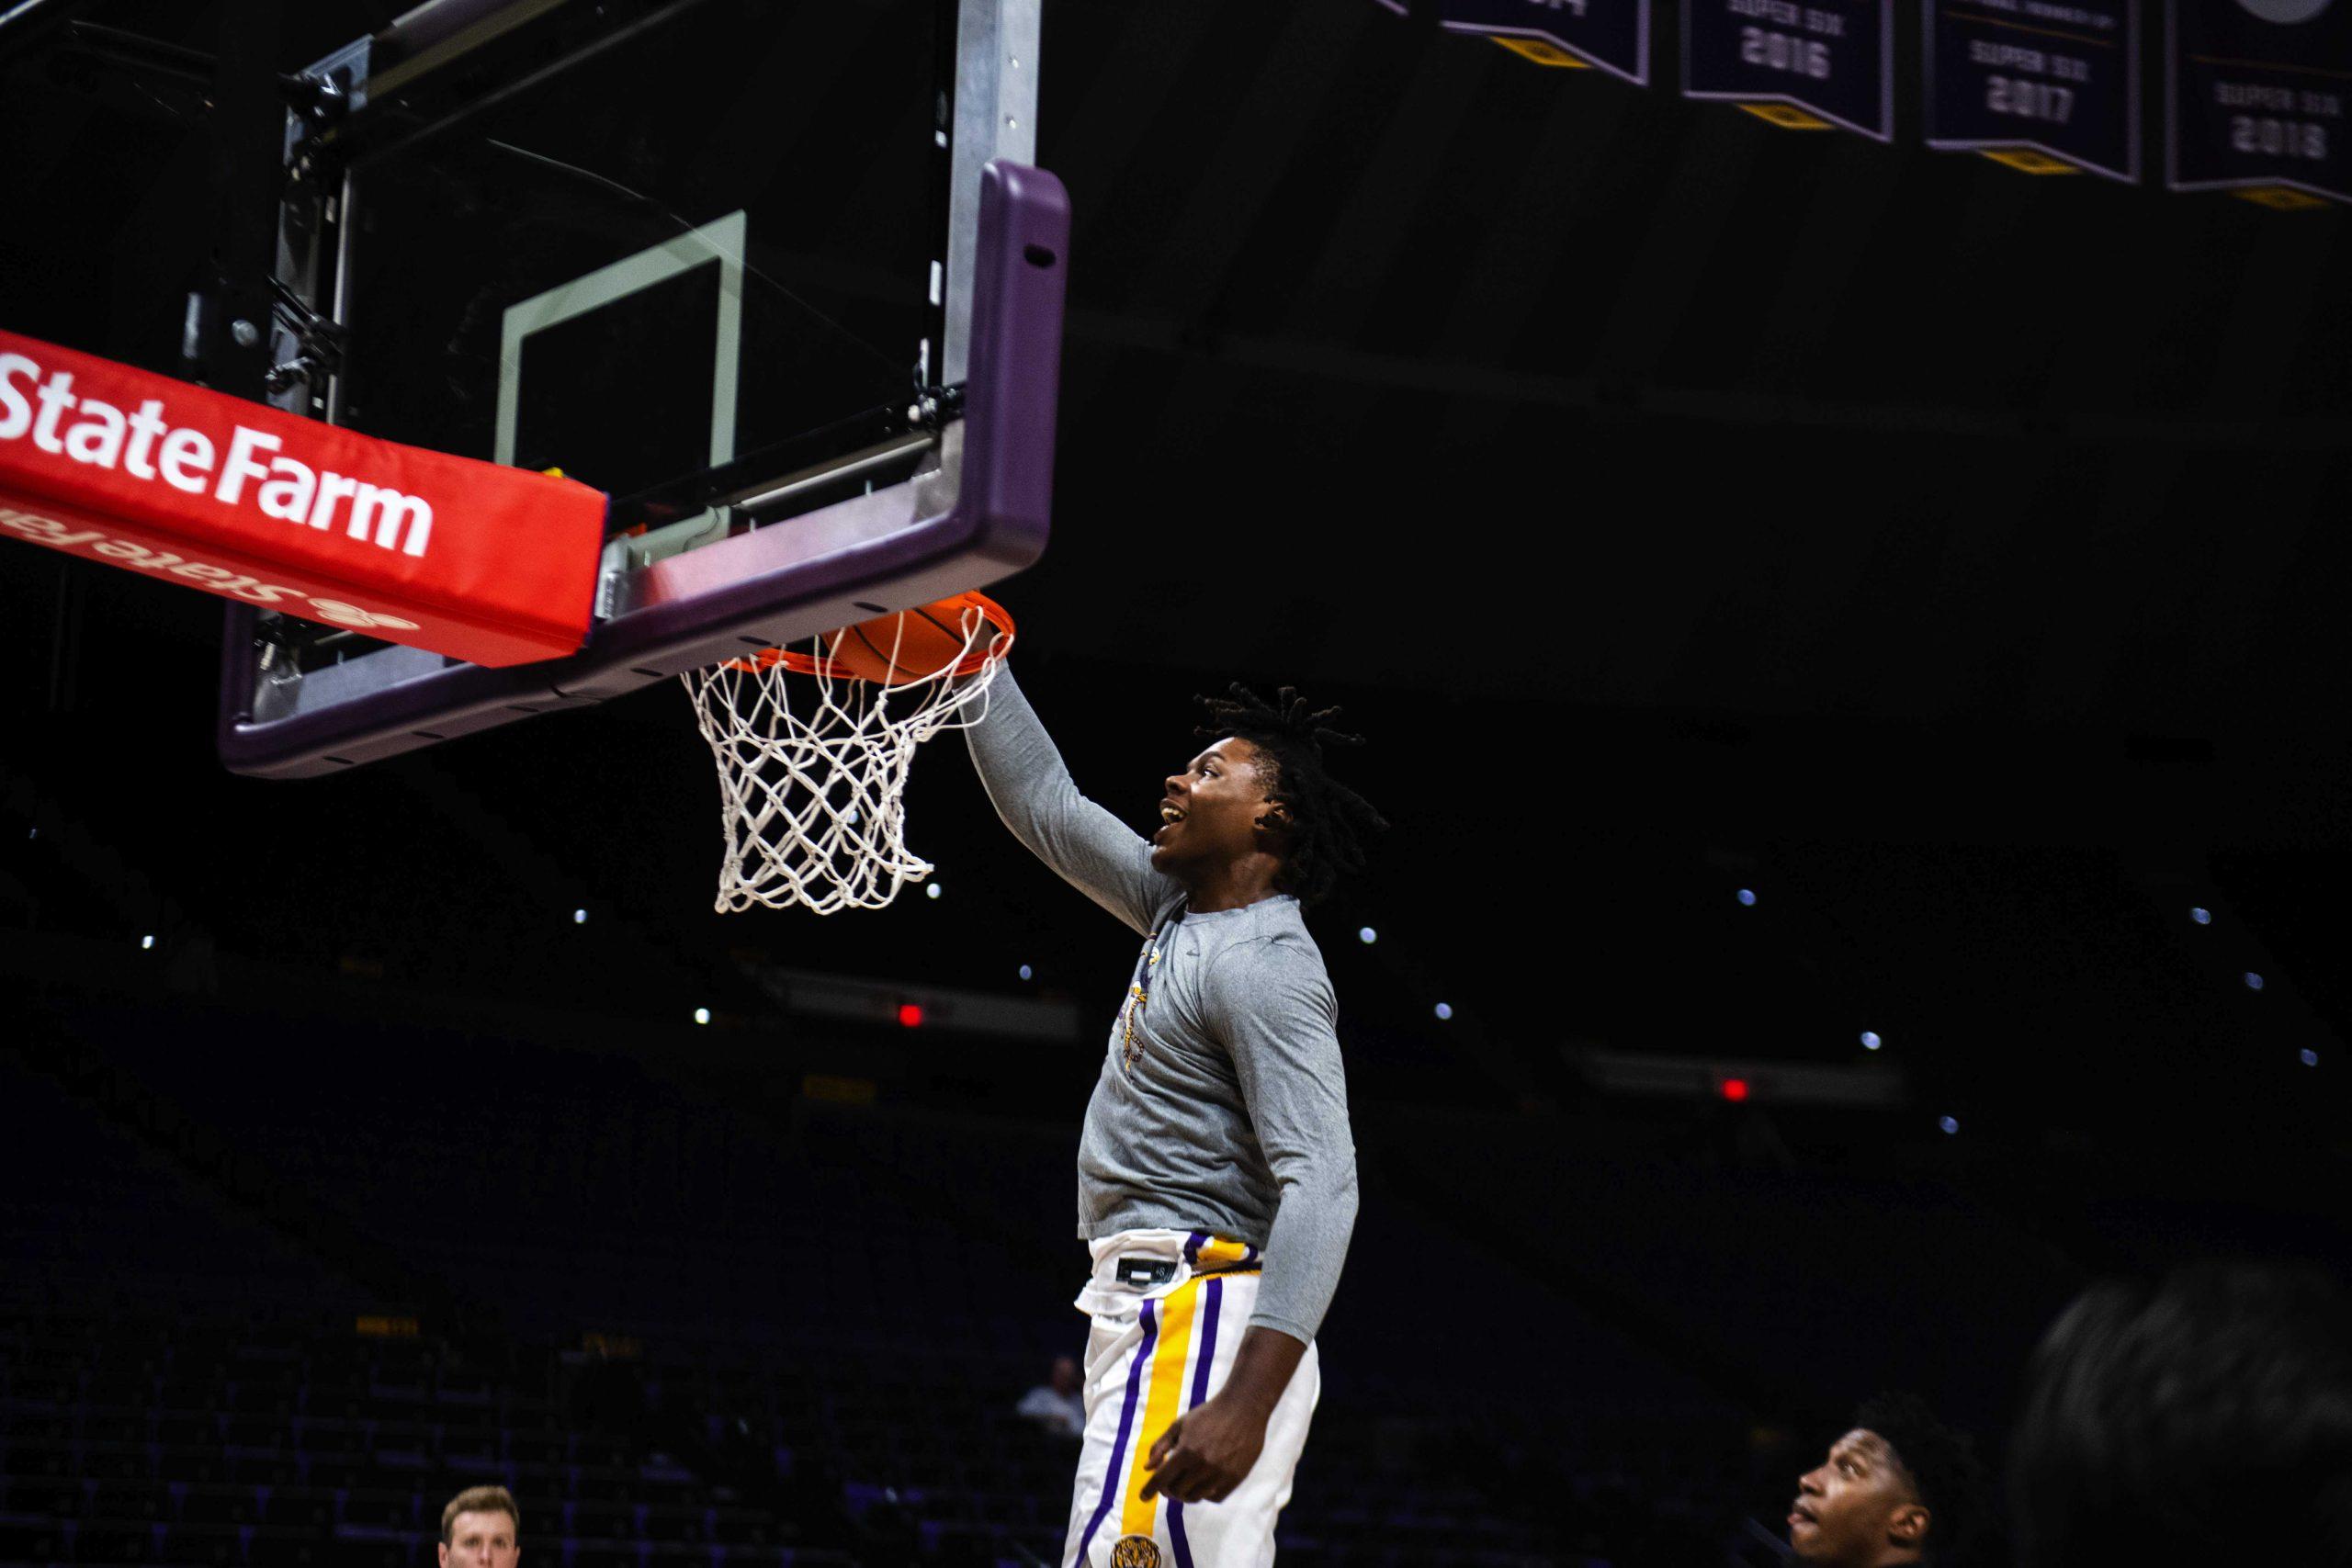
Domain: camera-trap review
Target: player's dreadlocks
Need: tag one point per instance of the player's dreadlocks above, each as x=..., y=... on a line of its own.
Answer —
x=1945, y=1470
x=1329, y=822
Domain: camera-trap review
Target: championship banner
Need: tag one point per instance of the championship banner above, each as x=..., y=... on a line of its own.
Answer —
x=2040, y=85
x=1805, y=66
x=1612, y=34
x=2257, y=90
x=479, y=562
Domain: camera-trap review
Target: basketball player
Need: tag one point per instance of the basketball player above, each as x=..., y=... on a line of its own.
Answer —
x=1899, y=1488
x=1216, y=1176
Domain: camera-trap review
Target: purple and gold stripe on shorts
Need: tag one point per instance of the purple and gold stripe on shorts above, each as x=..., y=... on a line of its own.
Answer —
x=1126, y=1426
x=1161, y=1406
x=1213, y=1297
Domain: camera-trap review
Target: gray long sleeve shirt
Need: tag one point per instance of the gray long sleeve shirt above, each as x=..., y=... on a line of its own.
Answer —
x=1222, y=1104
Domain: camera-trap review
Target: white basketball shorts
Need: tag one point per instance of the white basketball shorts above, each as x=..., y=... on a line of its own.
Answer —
x=1168, y=1311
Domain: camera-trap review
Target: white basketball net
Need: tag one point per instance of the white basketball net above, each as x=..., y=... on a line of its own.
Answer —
x=813, y=765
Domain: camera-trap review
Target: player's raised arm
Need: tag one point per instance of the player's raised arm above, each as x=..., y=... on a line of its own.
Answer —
x=1086, y=846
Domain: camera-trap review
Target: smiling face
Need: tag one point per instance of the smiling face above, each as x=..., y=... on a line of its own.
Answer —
x=1857, y=1509
x=1208, y=813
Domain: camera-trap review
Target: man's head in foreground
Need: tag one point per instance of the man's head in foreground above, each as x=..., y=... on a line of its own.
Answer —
x=2206, y=1419
x=482, y=1528
x=1900, y=1487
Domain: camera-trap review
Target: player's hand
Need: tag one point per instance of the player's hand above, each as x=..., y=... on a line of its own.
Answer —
x=1205, y=1452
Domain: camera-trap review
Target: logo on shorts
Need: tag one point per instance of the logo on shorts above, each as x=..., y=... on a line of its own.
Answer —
x=1136, y=1551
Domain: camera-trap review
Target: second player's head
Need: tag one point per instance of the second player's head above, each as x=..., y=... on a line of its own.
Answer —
x=1900, y=1487
x=482, y=1527
x=1260, y=793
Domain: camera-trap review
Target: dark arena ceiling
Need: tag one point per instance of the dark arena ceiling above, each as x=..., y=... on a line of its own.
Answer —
x=1681, y=504
x=1394, y=358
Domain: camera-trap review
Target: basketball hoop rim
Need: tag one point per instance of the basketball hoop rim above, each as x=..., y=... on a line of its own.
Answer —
x=831, y=668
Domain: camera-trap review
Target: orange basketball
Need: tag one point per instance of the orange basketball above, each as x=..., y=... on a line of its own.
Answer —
x=913, y=644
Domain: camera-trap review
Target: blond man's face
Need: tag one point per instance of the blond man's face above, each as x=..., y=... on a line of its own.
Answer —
x=481, y=1540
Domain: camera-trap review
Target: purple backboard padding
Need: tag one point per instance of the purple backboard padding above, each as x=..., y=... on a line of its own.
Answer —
x=753, y=589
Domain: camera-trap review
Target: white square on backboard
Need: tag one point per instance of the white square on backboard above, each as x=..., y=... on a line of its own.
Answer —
x=722, y=241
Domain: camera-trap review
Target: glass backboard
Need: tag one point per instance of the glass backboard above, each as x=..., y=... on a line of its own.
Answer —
x=751, y=268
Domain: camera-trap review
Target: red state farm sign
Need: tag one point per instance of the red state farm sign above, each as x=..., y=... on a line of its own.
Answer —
x=484, y=563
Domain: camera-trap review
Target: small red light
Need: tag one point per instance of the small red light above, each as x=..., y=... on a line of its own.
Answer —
x=1735, y=1088
x=910, y=1015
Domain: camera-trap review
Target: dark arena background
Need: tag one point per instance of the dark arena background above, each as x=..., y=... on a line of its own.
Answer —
x=1850, y=642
